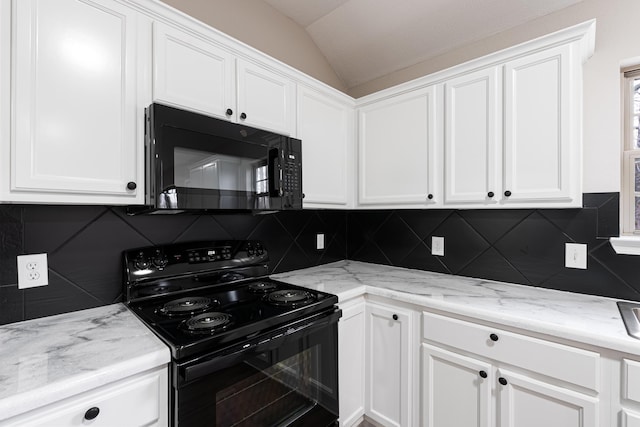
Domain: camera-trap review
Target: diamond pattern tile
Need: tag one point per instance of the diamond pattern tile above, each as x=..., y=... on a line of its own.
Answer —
x=535, y=247
x=85, y=243
x=462, y=244
x=396, y=239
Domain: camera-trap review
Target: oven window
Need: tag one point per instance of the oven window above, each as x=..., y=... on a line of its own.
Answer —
x=266, y=396
x=292, y=385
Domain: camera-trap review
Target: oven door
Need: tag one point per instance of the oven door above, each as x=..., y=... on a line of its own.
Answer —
x=287, y=377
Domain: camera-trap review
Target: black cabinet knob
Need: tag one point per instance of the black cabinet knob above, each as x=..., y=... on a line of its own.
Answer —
x=502, y=381
x=395, y=317
x=483, y=374
x=243, y=116
x=507, y=193
x=91, y=413
x=430, y=196
x=229, y=112
x=303, y=195
x=493, y=337
x=490, y=194
x=131, y=185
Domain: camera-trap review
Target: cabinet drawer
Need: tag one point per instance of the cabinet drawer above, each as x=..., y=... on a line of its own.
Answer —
x=137, y=401
x=565, y=363
x=631, y=380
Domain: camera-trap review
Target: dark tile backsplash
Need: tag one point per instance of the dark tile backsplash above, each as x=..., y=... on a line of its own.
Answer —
x=85, y=244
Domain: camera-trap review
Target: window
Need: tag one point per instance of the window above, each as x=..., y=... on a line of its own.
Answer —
x=631, y=167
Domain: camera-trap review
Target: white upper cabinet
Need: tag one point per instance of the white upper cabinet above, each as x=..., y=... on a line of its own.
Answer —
x=509, y=126
x=473, y=130
x=325, y=126
x=194, y=71
x=397, y=150
x=265, y=99
x=78, y=87
x=542, y=136
x=190, y=71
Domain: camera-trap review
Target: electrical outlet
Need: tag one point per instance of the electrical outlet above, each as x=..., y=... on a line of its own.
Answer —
x=320, y=241
x=575, y=256
x=437, y=246
x=32, y=271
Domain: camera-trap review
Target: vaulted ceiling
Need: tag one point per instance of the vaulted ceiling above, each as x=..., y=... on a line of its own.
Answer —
x=367, y=39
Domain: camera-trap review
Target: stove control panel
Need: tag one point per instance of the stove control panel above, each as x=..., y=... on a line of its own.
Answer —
x=193, y=257
x=209, y=254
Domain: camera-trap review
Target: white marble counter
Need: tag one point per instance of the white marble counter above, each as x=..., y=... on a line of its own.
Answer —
x=48, y=359
x=578, y=317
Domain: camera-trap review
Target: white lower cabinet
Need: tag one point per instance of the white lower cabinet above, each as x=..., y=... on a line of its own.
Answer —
x=456, y=389
x=351, y=371
x=138, y=401
x=390, y=357
x=475, y=375
x=526, y=402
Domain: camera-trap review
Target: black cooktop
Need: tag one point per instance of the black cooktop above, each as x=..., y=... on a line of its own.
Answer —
x=208, y=319
x=201, y=297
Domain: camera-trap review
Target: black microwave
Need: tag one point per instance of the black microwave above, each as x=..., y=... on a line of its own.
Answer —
x=198, y=163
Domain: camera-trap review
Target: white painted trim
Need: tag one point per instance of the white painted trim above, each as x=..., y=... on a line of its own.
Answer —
x=626, y=245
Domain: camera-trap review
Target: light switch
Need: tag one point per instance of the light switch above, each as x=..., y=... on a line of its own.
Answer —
x=575, y=255
x=437, y=246
x=320, y=241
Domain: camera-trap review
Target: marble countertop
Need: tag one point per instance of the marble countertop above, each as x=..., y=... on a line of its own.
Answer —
x=582, y=318
x=45, y=360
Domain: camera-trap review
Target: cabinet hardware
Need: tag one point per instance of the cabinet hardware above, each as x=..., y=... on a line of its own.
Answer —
x=502, y=381
x=507, y=193
x=91, y=413
x=229, y=112
x=430, y=196
x=490, y=194
x=483, y=374
x=493, y=337
x=395, y=317
x=131, y=185
x=243, y=116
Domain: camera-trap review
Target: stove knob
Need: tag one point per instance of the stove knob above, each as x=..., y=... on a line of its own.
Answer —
x=141, y=262
x=160, y=261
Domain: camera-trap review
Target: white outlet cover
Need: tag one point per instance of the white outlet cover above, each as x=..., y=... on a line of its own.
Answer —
x=575, y=255
x=437, y=246
x=32, y=271
x=320, y=241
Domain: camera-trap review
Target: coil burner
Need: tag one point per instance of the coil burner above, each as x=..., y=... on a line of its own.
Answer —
x=207, y=323
x=262, y=287
x=187, y=306
x=290, y=298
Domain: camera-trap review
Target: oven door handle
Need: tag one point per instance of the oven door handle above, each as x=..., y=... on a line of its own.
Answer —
x=256, y=346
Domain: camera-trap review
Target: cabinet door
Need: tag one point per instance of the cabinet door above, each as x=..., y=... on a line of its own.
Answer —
x=456, y=389
x=139, y=401
x=397, y=150
x=193, y=73
x=473, y=138
x=525, y=402
x=325, y=127
x=77, y=126
x=351, y=350
x=389, y=358
x=265, y=99
x=542, y=150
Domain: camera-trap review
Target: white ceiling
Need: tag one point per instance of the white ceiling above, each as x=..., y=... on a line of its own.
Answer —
x=366, y=39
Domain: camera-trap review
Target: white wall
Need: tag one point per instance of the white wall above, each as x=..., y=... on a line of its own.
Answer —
x=617, y=40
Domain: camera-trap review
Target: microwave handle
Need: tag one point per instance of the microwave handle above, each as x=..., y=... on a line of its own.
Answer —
x=275, y=173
